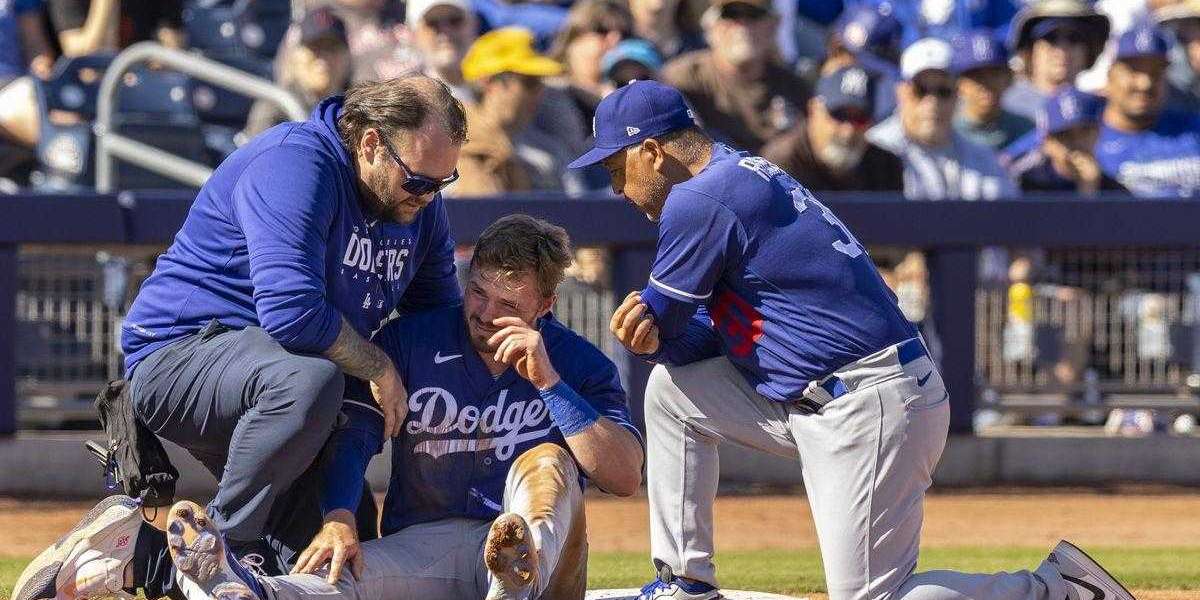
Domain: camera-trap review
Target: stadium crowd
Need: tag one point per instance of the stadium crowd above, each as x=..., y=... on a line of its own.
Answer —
x=961, y=99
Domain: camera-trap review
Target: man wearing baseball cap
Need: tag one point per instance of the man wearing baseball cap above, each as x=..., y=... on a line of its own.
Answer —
x=772, y=329
x=1065, y=161
x=939, y=162
x=981, y=65
x=1182, y=20
x=868, y=36
x=442, y=31
x=1055, y=41
x=829, y=151
x=737, y=87
x=1152, y=151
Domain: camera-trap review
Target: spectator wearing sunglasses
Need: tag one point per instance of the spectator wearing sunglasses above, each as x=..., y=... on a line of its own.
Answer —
x=1152, y=151
x=593, y=28
x=1055, y=41
x=1065, y=161
x=981, y=66
x=740, y=91
x=442, y=31
x=1183, y=76
x=504, y=153
x=829, y=151
x=939, y=162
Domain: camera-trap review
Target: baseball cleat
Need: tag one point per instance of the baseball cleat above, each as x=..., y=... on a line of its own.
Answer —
x=88, y=561
x=511, y=558
x=203, y=564
x=1085, y=578
x=668, y=587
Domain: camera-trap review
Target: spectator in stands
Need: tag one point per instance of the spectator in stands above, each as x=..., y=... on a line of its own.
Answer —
x=315, y=67
x=1183, y=20
x=24, y=50
x=939, y=163
x=658, y=21
x=868, y=36
x=631, y=59
x=1151, y=151
x=829, y=151
x=442, y=31
x=91, y=26
x=381, y=46
x=1055, y=41
x=593, y=28
x=946, y=19
x=739, y=90
x=983, y=75
x=1065, y=161
x=504, y=153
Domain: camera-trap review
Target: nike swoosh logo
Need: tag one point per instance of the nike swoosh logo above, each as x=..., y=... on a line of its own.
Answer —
x=921, y=380
x=439, y=359
x=1097, y=593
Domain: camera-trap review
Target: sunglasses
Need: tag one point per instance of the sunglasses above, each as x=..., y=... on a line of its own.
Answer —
x=742, y=12
x=451, y=22
x=852, y=116
x=1064, y=37
x=941, y=92
x=604, y=30
x=415, y=183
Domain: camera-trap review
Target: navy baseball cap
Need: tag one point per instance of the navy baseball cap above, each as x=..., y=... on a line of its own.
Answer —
x=638, y=111
x=322, y=23
x=1068, y=109
x=1143, y=40
x=848, y=87
x=976, y=50
x=871, y=30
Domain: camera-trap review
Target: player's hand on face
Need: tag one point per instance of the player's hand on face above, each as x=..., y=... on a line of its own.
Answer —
x=389, y=392
x=521, y=346
x=335, y=545
x=634, y=327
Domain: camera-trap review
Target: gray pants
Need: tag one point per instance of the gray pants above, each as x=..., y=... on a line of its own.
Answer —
x=867, y=457
x=253, y=413
x=443, y=560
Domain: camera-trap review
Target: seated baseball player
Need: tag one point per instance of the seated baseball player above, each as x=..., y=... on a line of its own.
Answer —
x=507, y=411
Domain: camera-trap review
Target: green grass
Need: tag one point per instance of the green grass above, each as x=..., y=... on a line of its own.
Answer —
x=798, y=572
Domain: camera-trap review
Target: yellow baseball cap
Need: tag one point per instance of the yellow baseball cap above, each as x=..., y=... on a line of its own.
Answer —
x=506, y=50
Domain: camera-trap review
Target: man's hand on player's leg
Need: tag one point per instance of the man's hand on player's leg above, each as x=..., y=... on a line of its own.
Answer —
x=335, y=544
x=633, y=327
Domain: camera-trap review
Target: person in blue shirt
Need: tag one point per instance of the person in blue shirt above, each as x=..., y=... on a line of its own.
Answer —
x=772, y=329
x=237, y=346
x=510, y=413
x=1152, y=151
x=1065, y=159
x=1054, y=42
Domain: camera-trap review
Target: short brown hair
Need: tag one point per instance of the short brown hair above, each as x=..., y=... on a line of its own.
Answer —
x=588, y=15
x=400, y=105
x=518, y=244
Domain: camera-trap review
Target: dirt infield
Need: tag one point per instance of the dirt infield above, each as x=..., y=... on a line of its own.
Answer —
x=1029, y=518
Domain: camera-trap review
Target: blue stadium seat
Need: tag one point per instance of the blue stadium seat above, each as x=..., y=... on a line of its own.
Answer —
x=74, y=84
x=253, y=27
x=223, y=112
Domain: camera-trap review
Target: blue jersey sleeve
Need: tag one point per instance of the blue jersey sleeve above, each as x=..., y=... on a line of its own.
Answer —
x=435, y=283
x=698, y=238
x=351, y=447
x=283, y=203
x=693, y=340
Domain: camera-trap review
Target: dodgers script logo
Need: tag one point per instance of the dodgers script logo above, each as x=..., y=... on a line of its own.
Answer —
x=434, y=410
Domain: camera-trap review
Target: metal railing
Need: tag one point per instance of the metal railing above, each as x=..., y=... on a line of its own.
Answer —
x=111, y=145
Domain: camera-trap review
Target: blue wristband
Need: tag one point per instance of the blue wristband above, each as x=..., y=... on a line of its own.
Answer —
x=570, y=412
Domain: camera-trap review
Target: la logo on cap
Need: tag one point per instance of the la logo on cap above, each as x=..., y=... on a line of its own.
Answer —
x=632, y=131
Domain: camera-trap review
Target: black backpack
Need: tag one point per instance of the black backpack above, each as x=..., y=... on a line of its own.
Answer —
x=134, y=461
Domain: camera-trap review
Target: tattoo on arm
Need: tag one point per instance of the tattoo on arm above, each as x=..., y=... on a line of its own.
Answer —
x=355, y=355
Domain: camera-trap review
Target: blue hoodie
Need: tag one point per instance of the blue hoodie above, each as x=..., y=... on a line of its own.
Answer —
x=277, y=238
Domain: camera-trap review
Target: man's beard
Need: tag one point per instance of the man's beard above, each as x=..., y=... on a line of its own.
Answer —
x=657, y=189
x=377, y=199
x=840, y=157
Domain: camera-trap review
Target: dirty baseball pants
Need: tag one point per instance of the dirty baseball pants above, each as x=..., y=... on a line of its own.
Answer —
x=443, y=560
x=256, y=416
x=867, y=458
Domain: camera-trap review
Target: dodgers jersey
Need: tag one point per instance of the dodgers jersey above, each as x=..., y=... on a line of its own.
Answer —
x=775, y=281
x=1163, y=161
x=464, y=428
x=277, y=238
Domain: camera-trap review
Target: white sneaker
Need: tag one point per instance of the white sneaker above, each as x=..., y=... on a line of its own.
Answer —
x=203, y=568
x=90, y=560
x=1085, y=578
x=511, y=558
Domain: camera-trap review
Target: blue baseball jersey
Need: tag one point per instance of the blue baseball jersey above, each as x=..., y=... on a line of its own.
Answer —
x=1163, y=161
x=750, y=265
x=464, y=427
x=277, y=238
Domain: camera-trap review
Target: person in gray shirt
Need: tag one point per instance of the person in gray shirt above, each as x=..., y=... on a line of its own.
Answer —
x=939, y=162
x=981, y=65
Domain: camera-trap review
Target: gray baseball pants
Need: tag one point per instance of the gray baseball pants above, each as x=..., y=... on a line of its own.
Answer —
x=867, y=457
x=443, y=560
